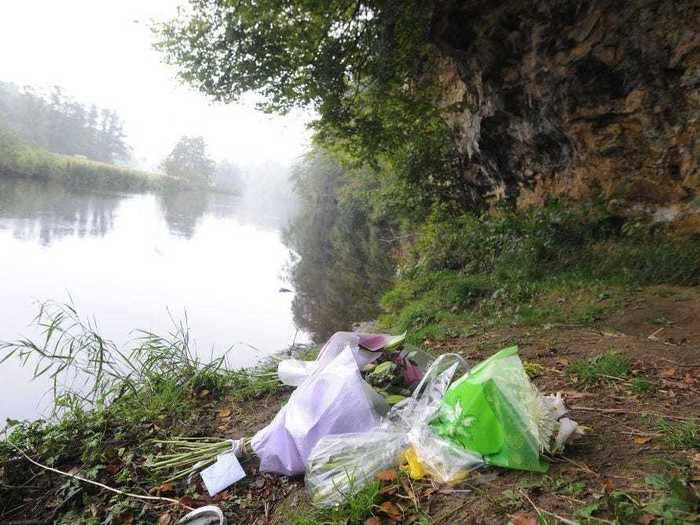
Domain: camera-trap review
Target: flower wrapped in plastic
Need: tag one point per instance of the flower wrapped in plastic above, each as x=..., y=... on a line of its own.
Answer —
x=340, y=463
x=496, y=411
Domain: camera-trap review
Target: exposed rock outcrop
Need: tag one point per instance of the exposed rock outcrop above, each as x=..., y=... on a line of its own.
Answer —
x=576, y=98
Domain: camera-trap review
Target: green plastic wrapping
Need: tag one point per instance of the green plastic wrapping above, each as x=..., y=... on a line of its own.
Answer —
x=496, y=411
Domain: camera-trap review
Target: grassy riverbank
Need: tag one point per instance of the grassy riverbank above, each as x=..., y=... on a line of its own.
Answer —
x=22, y=160
x=26, y=161
x=559, y=264
x=604, y=310
x=630, y=376
x=156, y=389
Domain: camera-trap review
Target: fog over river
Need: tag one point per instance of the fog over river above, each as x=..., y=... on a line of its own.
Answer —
x=137, y=261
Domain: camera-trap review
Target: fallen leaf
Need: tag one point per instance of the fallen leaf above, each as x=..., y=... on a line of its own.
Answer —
x=523, y=518
x=391, y=510
x=225, y=412
x=127, y=519
x=373, y=520
x=668, y=372
x=204, y=393
x=114, y=468
x=165, y=519
x=387, y=475
x=608, y=485
x=389, y=489
x=186, y=501
x=645, y=519
x=641, y=440
x=572, y=394
x=166, y=487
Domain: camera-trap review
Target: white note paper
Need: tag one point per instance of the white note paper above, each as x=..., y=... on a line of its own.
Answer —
x=222, y=474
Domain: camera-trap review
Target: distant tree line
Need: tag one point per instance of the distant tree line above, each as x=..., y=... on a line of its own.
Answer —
x=189, y=162
x=60, y=124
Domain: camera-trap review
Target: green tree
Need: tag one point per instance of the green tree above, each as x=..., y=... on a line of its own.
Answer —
x=227, y=177
x=62, y=125
x=189, y=161
x=341, y=261
x=365, y=66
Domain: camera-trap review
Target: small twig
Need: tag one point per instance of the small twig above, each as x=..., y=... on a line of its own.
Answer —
x=569, y=498
x=625, y=411
x=408, y=487
x=98, y=484
x=643, y=434
x=582, y=466
x=615, y=378
x=652, y=336
x=542, y=511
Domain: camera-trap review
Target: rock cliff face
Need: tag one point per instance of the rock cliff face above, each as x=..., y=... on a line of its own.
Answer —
x=576, y=98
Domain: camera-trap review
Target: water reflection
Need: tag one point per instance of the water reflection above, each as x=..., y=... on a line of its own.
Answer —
x=339, y=268
x=134, y=261
x=46, y=212
x=182, y=210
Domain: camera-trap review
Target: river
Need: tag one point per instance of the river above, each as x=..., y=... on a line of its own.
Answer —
x=137, y=261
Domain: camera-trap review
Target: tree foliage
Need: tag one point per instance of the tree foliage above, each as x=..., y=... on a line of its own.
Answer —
x=189, y=161
x=227, y=177
x=58, y=123
x=343, y=263
x=365, y=66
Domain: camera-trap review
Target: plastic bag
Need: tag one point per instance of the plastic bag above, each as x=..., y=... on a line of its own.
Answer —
x=338, y=464
x=496, y=411
x=342, y=464
x=334, y=400
x=444, y=461
x=365, y=348
x=293, y=372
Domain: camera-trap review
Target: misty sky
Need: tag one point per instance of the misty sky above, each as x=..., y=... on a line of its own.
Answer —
x=100, y=52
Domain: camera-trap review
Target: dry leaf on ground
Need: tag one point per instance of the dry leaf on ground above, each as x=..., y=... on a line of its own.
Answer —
x=391, y=510
x=387, y=475
x=523, y=518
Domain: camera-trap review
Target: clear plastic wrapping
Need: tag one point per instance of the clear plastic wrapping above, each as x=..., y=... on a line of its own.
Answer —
x=342, y=463
x=339, y=464
x=496, y=411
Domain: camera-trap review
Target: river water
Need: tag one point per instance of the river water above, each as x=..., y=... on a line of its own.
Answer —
x=136, y=261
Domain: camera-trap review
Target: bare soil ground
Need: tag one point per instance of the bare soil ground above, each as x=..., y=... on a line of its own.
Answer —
x=658, y=330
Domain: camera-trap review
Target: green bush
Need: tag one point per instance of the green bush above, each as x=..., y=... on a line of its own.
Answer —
x=559, y=263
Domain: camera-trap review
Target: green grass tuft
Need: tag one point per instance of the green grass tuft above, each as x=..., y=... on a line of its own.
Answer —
x=680, y=434
x=355, y=510
x=642, y=386
x=610, y=365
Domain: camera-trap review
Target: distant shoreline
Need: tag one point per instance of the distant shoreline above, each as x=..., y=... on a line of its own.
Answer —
x=19, y=160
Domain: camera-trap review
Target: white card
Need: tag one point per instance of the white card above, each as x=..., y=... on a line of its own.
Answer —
x=222, y=474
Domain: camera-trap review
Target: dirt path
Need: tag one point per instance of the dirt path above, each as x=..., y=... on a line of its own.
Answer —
x=602, y=473
x=659, y=332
